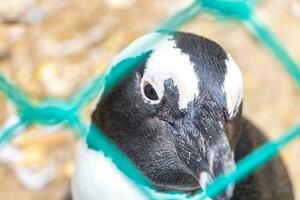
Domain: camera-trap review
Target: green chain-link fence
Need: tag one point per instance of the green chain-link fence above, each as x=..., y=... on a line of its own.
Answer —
x=56, y=111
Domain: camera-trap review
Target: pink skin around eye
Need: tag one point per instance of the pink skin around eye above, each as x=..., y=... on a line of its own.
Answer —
x=145, y=83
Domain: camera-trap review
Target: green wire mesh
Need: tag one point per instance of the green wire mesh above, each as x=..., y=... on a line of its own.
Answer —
x=56, y=111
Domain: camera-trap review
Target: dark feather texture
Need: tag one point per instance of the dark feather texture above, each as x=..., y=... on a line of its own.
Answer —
x=184, y=149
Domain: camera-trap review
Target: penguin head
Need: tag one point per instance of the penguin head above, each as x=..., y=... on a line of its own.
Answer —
x=177, y=115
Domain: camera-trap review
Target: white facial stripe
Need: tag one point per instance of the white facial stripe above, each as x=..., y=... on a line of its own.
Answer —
x=168, y=62
x=141, y=45
x=233, y=86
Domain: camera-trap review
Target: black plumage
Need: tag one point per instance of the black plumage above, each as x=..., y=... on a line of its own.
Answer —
x=173, y=146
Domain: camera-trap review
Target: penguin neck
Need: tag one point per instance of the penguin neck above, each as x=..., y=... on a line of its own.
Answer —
x=234, y=128
x=98, y=142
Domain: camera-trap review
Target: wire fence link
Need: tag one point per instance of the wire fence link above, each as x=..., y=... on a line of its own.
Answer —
x=57, y=111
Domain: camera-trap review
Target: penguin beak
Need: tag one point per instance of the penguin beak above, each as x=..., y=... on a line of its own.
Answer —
x=206, y=154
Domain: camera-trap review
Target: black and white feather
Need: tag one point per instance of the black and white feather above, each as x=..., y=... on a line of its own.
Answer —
x=177, y=117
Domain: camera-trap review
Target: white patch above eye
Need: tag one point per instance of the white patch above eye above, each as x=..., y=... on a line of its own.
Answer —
x=139, y=46
x=233, y=86
x=168, y=62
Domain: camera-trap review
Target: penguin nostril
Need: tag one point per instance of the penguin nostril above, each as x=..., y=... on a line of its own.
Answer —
x=150, y=92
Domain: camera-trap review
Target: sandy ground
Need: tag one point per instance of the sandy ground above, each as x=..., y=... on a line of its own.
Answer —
x=51, y=47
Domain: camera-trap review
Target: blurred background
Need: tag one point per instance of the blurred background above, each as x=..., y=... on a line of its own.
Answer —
x=50, y=48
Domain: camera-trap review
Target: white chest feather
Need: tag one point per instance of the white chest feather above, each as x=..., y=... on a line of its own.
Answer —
x=96, y=177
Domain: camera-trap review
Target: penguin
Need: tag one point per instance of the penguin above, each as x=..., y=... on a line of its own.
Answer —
x=178, y=118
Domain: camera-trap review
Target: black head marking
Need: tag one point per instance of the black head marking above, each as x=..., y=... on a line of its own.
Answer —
x=174, y=147
x=209, y=62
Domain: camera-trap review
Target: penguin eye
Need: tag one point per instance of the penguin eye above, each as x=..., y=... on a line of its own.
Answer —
x=150, y=92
